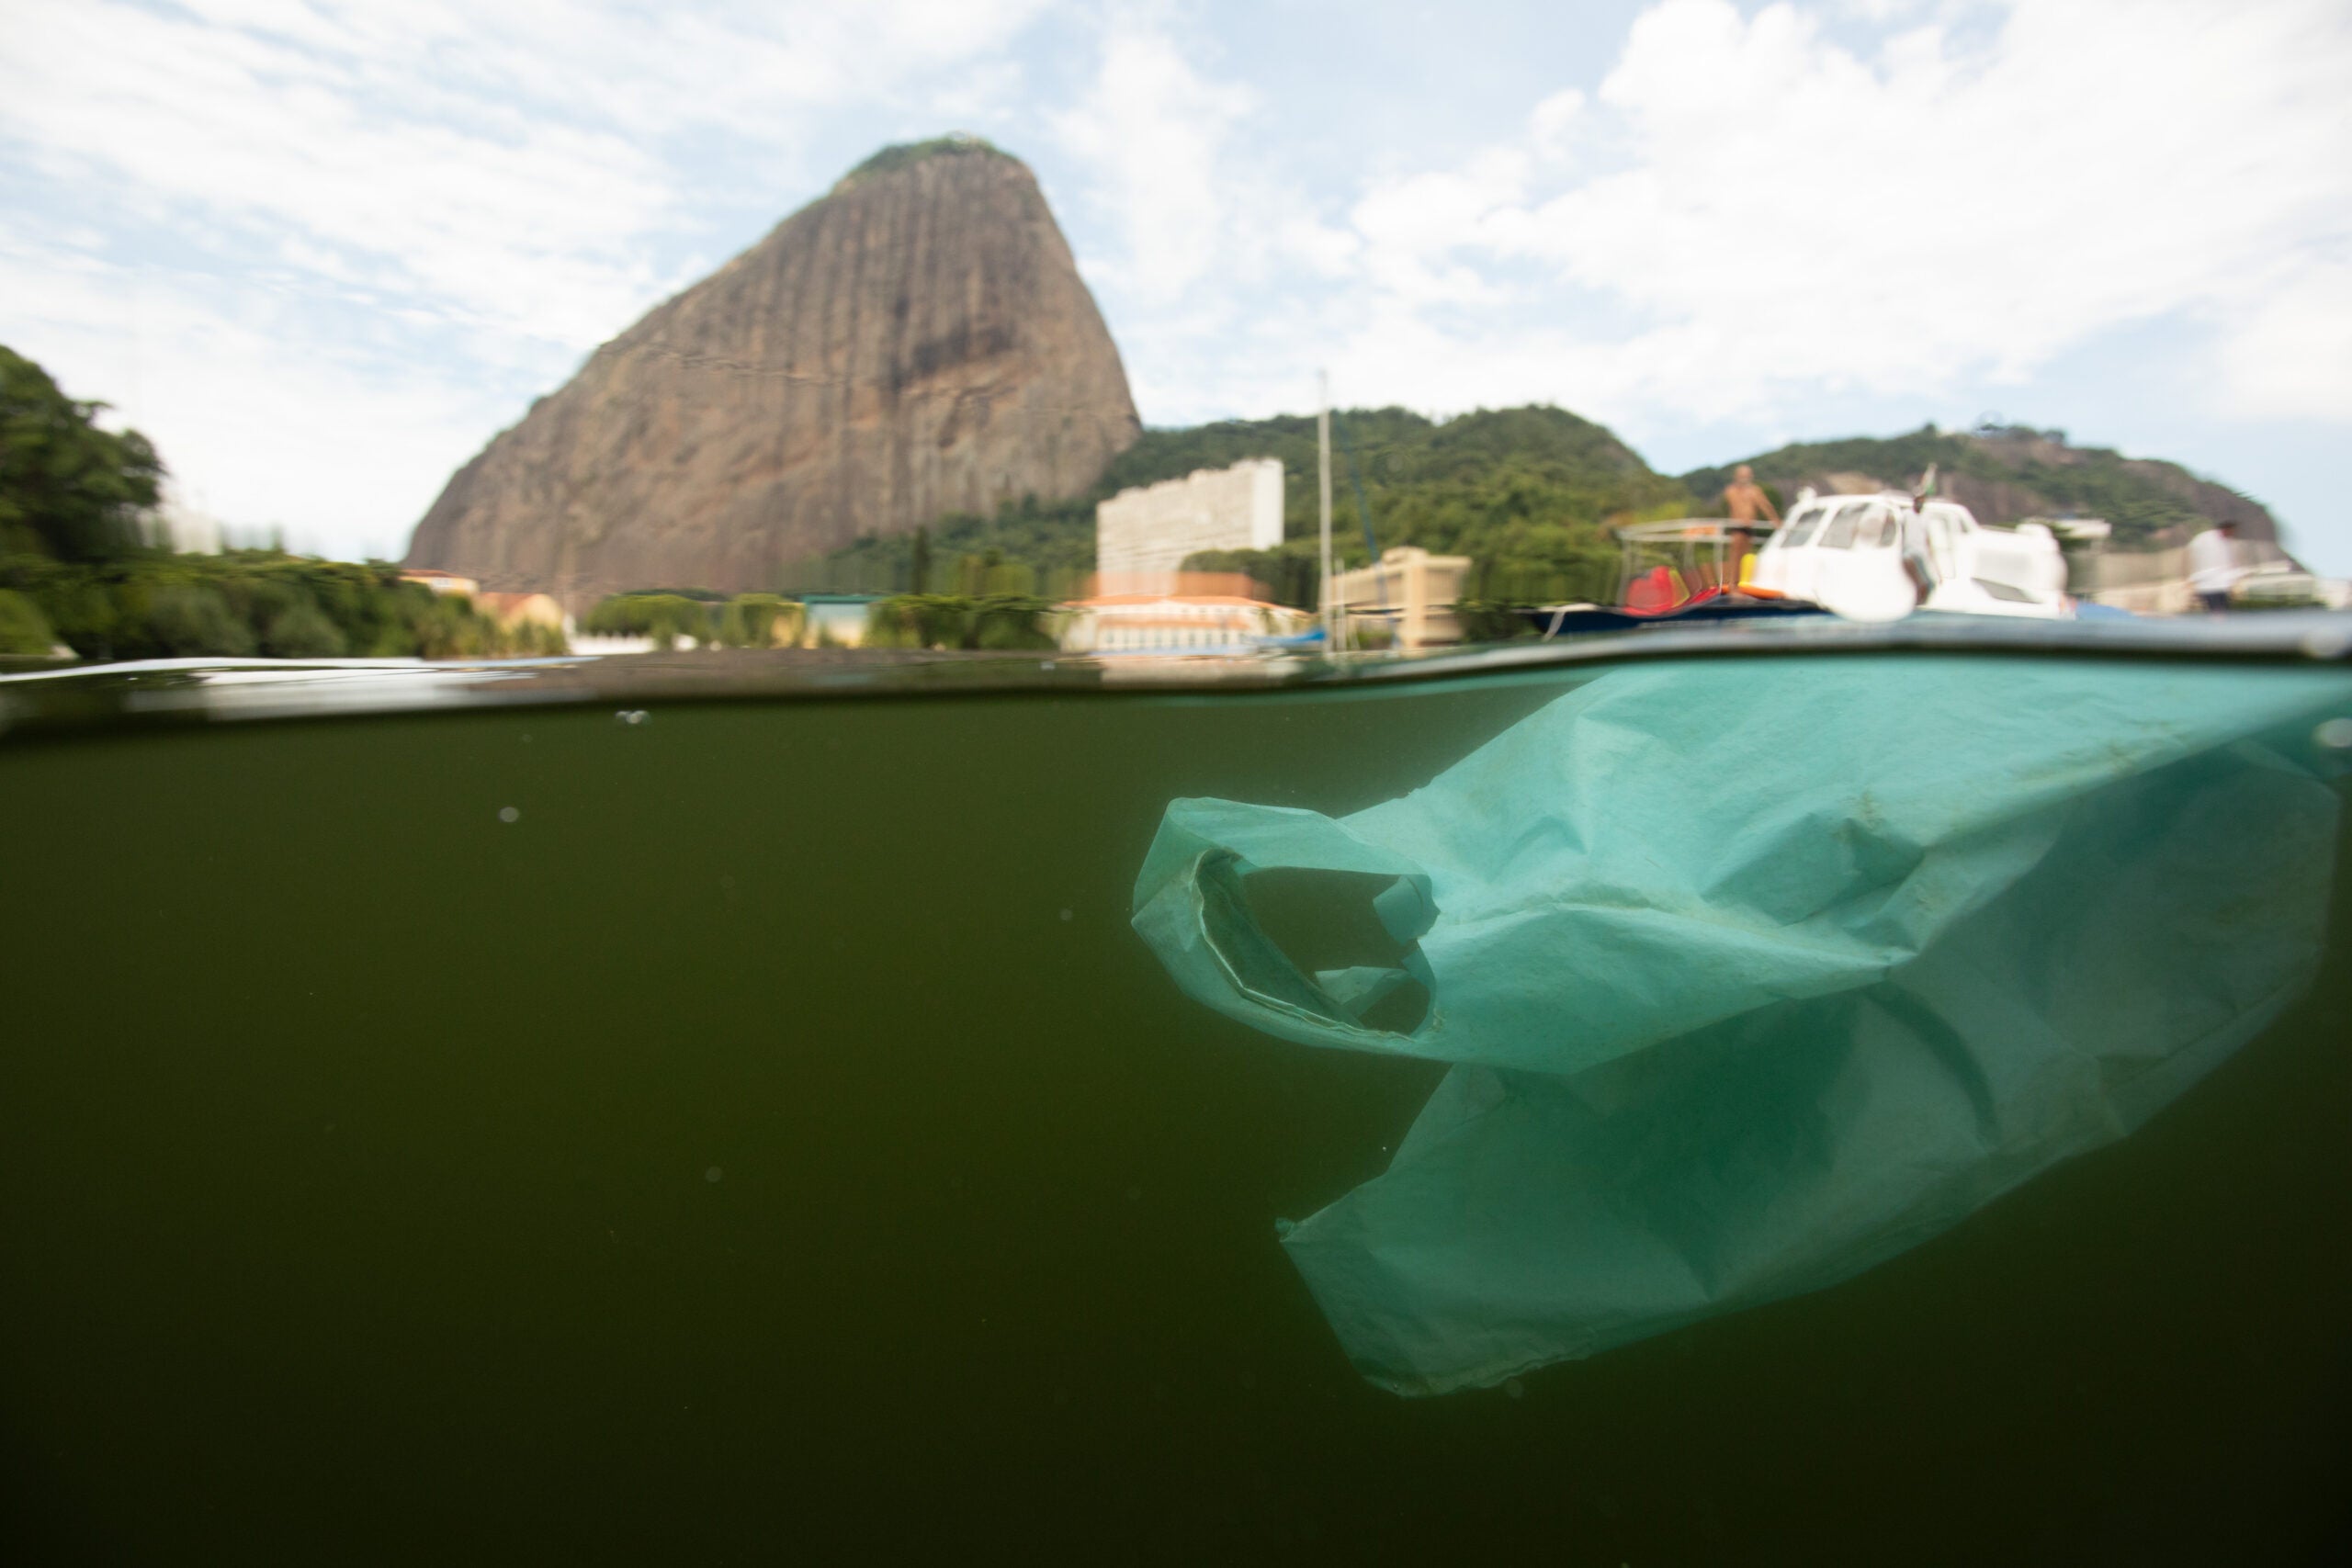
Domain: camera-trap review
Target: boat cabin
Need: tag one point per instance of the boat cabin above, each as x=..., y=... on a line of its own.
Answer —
x=1880, y=555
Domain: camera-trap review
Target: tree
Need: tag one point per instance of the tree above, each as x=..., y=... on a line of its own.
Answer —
x=920, y=567
x=191, y=620
x=301, y=630
x=759, y=620
x=68, y=490
x=22, y=629
x=1531, y=493
x=665, y=617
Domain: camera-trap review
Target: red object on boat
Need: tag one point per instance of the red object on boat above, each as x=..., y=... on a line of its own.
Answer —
x=1657, y=589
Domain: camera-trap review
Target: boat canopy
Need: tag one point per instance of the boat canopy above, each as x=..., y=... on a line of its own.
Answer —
x=1684, y=544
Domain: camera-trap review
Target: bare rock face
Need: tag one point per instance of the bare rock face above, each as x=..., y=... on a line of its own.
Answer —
x=917, y=343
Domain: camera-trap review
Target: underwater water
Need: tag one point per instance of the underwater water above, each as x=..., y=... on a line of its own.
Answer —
x=710, y=1130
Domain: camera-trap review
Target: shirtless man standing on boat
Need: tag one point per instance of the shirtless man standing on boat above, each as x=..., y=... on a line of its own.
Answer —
x=1742, y=497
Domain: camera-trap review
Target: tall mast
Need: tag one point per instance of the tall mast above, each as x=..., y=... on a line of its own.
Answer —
x=1323, y=462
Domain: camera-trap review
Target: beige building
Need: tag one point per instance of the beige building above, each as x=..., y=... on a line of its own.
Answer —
x=1412, y=590
x=2155, y=582
x=1143, y=535
x=520, y=609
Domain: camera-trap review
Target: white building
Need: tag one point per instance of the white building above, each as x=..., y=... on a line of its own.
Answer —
x=180, y=523
x=1144, y=535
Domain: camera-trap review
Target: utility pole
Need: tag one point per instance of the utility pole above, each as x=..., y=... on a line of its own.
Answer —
x=1323, y=460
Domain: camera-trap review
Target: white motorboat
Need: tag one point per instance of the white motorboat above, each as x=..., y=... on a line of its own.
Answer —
x=1880, y=556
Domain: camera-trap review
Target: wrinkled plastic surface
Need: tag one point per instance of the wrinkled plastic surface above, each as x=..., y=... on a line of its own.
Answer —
x=1755, y=976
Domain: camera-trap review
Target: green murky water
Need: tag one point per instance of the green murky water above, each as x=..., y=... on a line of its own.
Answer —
x=773, y=1139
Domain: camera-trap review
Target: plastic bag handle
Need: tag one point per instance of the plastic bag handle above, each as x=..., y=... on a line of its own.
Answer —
x=1190, y=906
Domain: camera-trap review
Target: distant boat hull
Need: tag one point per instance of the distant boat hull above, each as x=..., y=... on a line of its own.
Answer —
x=1709, y=608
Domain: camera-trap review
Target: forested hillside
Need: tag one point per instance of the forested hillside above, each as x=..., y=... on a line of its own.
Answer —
x=2010, y=472
x=1527, y=493
x=77, y=569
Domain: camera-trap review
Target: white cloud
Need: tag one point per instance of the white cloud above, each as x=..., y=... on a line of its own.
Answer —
x=1413, y=227
x=1153, y=131
x=1327, y=250
x=2289, y=355
x=1552, y=125
x=366, y=223
x=322, y=249
x=339, y=449
x=1210, y=260
x=500, y=162
x=1781, y=213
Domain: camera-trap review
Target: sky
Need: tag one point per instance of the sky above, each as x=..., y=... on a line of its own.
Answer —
x=321, y=252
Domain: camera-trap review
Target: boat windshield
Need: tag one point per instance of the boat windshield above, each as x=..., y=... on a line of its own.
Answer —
x=1840, y=534
x=1800, y=531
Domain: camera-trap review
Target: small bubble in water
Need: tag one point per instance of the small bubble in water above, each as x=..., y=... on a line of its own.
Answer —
x=2336, y=734
x=712, y=1174
x=1066, y=914
x=631, y=716
x=508, y=813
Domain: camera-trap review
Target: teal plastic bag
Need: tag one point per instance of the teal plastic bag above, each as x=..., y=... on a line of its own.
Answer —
x=1753, y=976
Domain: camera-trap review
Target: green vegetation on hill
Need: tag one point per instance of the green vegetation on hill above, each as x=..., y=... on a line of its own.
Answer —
x=2035, y=472
x=73, y=568
x=904, y=155
x=1002, y=623
x=975, y=619
x=1028, y=546
x=69, y=490
x=152, y=604
x=24, y=630
x=1897, y=460
x=667, y=615
x=1528, y=493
